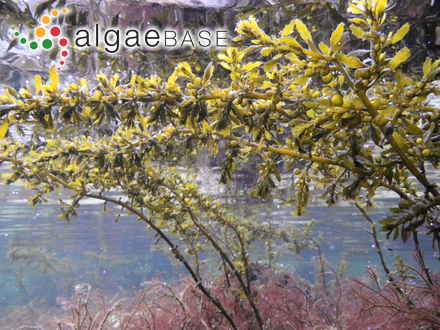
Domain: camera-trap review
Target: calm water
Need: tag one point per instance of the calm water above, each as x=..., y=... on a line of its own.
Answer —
x=42, y=257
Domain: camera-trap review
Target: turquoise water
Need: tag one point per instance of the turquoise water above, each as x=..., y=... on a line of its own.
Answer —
x=42, y=257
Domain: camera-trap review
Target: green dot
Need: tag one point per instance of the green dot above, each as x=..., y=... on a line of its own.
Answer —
x=17, y=34
x=47, y=43
x=23, y=40
x=33, y=45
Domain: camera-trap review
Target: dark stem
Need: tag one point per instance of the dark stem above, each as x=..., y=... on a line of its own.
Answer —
x=175, y=251
x=380, y=252
x=322, y=268
x=231, y=265
x=421, y=259
x=224, y=256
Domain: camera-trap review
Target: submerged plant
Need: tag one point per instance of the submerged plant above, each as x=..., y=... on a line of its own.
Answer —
x=284, y=301
x=347, y=123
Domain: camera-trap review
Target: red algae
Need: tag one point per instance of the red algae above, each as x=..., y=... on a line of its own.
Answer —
x=283, y=300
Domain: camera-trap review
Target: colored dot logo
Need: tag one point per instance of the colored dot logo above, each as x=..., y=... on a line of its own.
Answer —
x=40, y=32
x=33, y=45
x=47, y=35
x=45, y=20
x=55, y=31
x=47, y=44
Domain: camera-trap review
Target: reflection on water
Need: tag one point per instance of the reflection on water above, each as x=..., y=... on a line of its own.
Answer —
x=42, y=257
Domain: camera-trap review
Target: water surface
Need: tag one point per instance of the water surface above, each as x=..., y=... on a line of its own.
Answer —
x=43, y=257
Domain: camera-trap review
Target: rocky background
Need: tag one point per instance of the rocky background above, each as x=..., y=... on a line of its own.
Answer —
x=17, y=65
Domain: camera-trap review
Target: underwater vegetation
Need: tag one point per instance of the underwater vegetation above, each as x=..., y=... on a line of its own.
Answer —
x=350, y=124
x=284, y=301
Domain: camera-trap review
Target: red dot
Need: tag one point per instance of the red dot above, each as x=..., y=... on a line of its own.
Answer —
x=62, y=62
x=63, y=42
x=64, y=53
x=55, y=31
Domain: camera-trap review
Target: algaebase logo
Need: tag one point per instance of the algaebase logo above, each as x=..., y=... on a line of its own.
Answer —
x=48, y=35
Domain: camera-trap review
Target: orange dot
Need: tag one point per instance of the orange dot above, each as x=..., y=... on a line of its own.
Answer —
x=54, y=13
x=45, y=19
x=65, y=11
x=40, y=32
